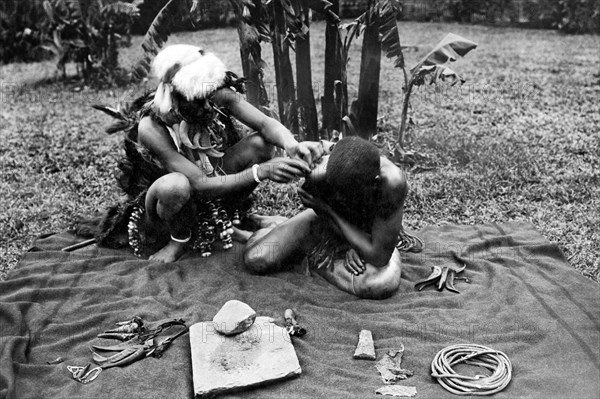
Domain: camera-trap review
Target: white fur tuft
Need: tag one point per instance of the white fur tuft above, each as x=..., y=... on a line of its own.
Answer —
x=201, y=78
x=182, y=54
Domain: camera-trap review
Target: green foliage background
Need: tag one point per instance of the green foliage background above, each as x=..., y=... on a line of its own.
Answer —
x=18, y=17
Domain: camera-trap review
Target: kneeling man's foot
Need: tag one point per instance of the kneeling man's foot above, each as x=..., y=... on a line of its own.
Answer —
x=169, y=253
x=264, y=222
x=241, y=236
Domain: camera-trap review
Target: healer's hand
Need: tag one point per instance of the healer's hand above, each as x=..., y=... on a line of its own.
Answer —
x=309, y=151
x=283, y=170
x=353, y=262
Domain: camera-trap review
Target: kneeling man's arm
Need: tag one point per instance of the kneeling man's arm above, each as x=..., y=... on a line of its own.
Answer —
x=375, y=248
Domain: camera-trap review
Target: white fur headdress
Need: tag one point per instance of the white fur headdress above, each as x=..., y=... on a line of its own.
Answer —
x=188, y=70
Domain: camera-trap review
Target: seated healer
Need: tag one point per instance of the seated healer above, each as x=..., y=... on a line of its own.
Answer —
x=188, y=166
x=349, y=234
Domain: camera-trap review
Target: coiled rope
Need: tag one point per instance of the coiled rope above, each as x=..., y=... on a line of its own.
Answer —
x=476, y=355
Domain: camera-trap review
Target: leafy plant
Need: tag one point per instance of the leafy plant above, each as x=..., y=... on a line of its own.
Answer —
x=378, y=25
x=20, y=35
x=252, y=30
x=578, y=16
x=434, y=66
x=334, y=103
x=380, y=30
x=286, y=25
x=89, y=33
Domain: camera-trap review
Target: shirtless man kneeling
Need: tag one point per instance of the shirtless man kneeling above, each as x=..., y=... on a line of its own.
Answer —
x=349, y=234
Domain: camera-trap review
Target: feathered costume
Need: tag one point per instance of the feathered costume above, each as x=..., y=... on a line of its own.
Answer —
x=188, y=77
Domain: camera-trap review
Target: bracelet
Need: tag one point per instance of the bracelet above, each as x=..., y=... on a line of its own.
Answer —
x=255, y=173
x=180, y=240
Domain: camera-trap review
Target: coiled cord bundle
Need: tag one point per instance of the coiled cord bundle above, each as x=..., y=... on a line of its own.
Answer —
x=476, y=355
x=409, y=243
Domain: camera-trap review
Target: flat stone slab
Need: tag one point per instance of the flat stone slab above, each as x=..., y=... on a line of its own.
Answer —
x=365, y=349
x=221, y=363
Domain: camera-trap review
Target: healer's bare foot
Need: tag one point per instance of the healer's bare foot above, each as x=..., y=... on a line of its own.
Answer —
x=169, y=253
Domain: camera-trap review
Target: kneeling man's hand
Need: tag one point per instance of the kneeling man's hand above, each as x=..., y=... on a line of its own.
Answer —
x=353, y=262
x=314, y=202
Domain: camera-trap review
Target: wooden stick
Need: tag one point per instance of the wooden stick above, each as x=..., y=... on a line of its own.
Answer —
x=79, y=245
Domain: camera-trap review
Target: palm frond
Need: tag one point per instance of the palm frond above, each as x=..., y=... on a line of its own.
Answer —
x=115, y=113
x=155, y=37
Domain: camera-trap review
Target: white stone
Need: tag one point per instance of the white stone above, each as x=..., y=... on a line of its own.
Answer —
x=234, y=317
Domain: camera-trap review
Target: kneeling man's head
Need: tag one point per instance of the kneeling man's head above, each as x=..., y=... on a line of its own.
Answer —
x=353, y=172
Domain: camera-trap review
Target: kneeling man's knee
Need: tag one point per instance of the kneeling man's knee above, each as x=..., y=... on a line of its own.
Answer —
x=383, y=283
x=255, y=259
x=378, y=288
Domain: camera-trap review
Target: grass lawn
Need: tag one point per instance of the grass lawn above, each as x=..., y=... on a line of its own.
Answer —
x=519, y=141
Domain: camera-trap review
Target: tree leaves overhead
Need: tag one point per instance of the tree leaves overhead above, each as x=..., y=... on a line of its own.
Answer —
x=449, y=49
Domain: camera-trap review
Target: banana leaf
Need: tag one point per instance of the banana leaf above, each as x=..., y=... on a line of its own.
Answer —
x=437, y=72
x=448, y=50
x=388, y=32
x=323, y=7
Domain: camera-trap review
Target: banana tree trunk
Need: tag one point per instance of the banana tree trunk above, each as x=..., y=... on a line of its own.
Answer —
x=256, y=92
x=368, y=86
x=250, y=54
x=307, y=117
x=284, y=75
x=332, y=118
